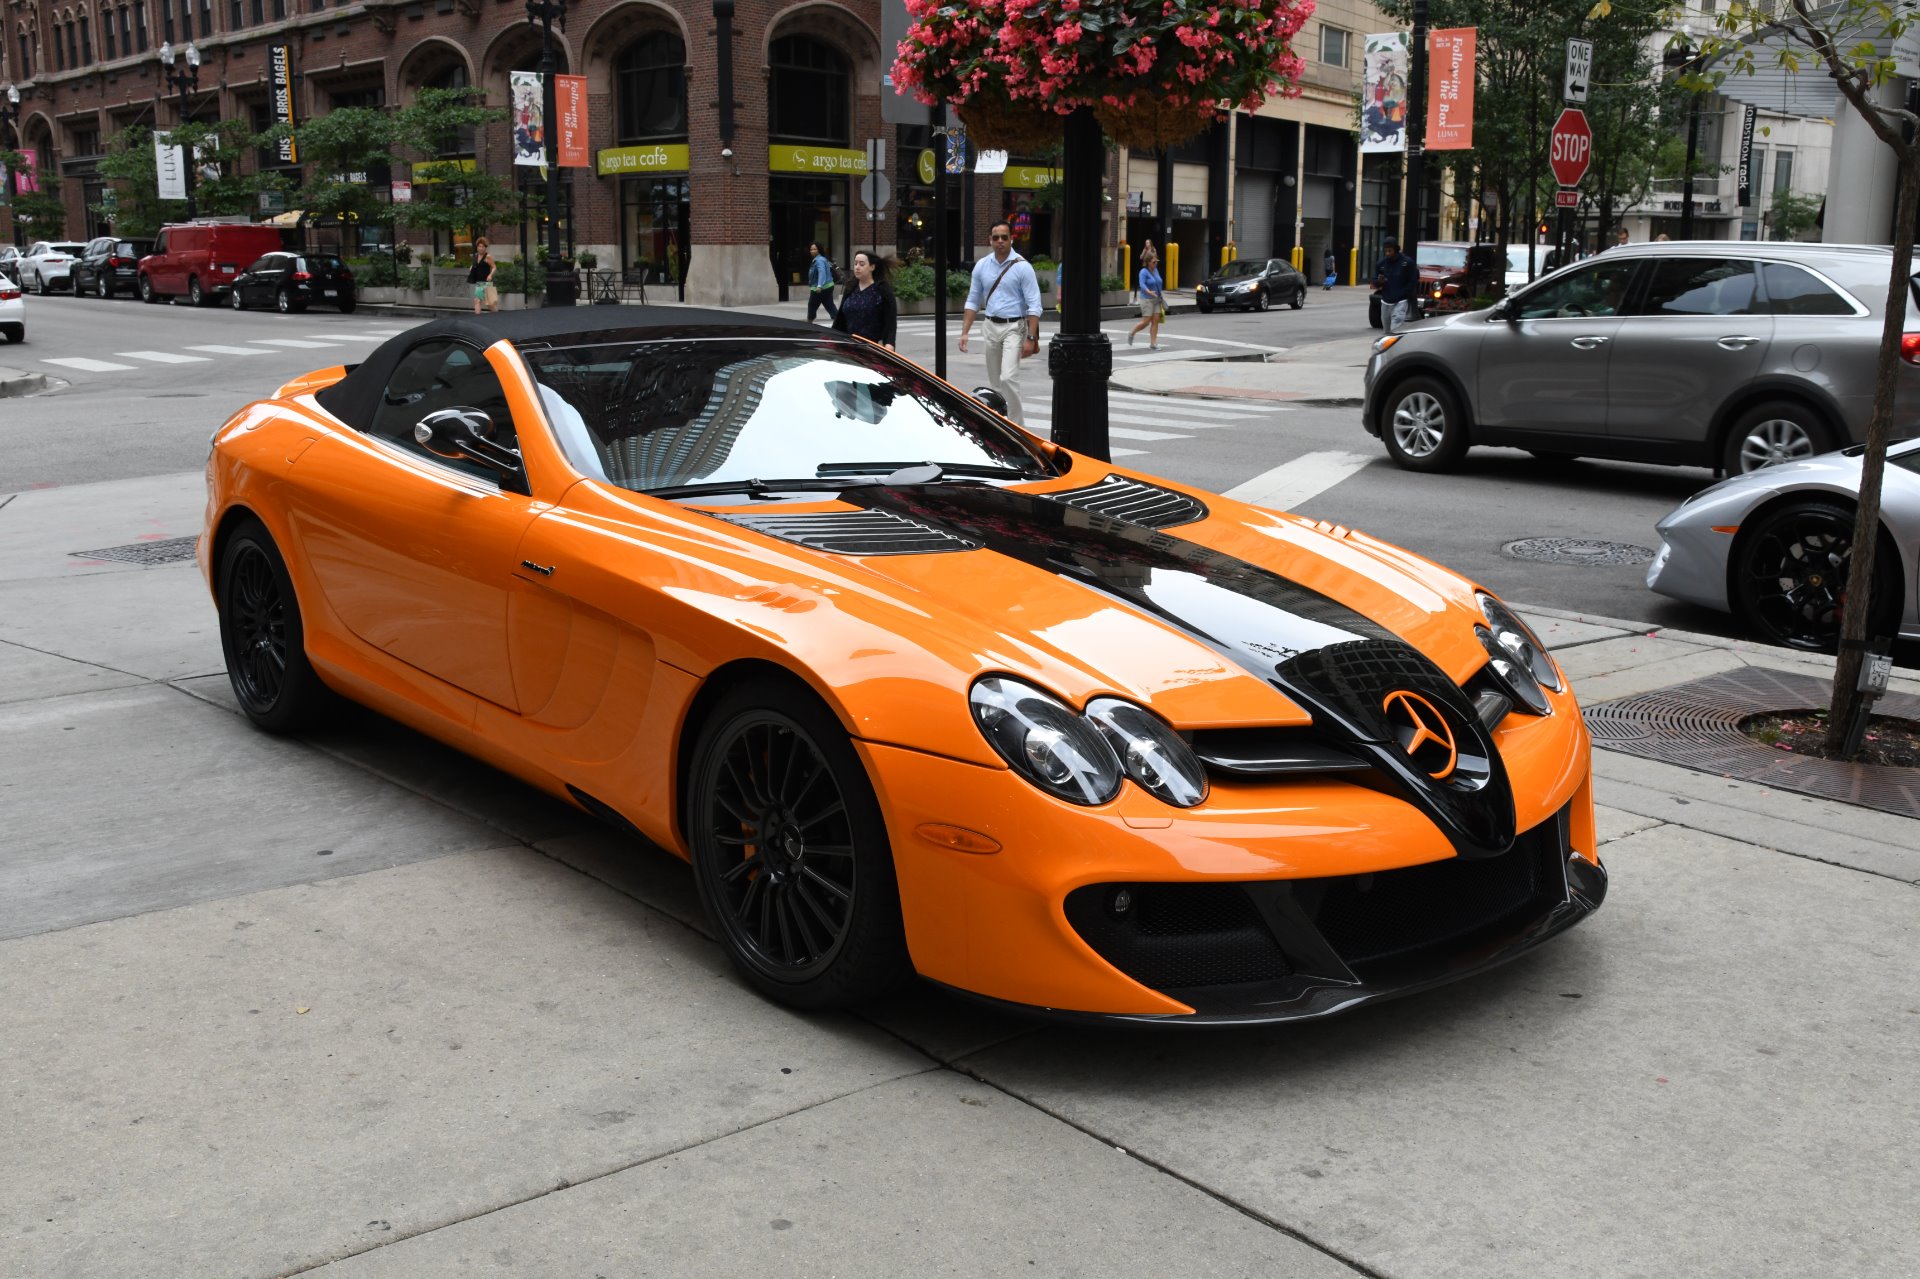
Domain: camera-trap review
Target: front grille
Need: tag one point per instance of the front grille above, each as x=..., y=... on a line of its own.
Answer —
x=851, y=532
x=1361, y=672
x=1177, y=935
x=1137, y=503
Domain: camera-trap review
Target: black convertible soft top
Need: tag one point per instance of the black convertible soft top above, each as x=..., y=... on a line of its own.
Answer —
x=354, y=397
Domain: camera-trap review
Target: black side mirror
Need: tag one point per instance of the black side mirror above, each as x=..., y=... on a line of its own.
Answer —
x=462, y=434
x=991, y=398
x=1503, y=309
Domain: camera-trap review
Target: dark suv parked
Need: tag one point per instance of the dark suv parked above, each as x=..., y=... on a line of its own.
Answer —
x=109, y=265
x=293, y=281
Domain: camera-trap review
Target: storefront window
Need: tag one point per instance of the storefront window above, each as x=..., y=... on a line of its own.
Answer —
x=654, y=231
x=811, y=92
x=650, y=86
x=806, y=210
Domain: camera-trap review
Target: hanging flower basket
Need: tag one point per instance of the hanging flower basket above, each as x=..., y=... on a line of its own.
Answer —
x=1155, y=71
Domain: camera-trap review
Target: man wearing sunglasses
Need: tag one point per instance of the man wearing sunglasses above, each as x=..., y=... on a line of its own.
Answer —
x=1006, y=291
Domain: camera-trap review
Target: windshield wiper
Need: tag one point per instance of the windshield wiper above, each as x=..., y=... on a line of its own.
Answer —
x=888, y=469
x=756, y=488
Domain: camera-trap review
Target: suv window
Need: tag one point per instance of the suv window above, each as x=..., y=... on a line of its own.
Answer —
x=1599, y=288
x=160, y=243
x=437, y=375
x=1700, y=286
x=1793, y=291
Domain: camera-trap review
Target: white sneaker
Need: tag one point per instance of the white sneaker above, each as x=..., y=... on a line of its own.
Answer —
x=1130, y=338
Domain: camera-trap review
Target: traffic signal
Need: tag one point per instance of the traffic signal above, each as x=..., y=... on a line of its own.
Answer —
x=1543, y=228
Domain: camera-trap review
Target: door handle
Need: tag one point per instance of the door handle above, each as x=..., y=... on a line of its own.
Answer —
x=1737, y=343
x=1588, y=343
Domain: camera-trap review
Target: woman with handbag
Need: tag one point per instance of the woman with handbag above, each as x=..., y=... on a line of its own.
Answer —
x=868, y=308
x=1153, y=299
x=480, y=276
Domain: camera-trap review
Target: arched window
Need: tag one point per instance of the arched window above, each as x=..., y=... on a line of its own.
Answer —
x=650, y=88
x=461, y=141
x=812, y=88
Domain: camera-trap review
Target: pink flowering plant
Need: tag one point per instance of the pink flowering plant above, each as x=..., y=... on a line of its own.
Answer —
x=1155, y=71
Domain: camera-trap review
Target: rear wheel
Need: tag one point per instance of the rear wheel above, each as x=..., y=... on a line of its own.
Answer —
x=1771, y=433
x=102, y=286
x=347, y=306
x=234, y=300
x=194, y=296
x=146, y=290
x=1790, y=575
x=1423, y=426
x=284, y=301
x=1299, y=297
x=790, y=852
x=262, y=636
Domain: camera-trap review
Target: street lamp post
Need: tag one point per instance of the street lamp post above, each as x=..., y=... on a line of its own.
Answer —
x=1682, y=60
x=10, y=116
x=183, y=81
x=561, y=286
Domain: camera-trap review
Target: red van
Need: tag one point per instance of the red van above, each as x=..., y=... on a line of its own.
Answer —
x=200, y=259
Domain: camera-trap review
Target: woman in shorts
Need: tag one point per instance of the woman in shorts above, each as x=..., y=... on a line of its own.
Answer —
x=1153, y=299
x=480, y=274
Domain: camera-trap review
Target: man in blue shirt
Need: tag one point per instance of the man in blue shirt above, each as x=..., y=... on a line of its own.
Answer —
x=1396, y=279
x=819, y=284
x=1006, y=291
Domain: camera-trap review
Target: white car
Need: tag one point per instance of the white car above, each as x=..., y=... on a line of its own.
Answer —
x=49, y=264
x=13, y=311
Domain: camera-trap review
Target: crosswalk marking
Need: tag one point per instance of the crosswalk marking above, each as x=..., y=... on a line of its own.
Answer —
x=1127, y=452
x=231, y=350
x=162, y=357
x=1129, y=433
x=1286, y=486
x=1170, y=404
x=88, y=366
x=294, y=342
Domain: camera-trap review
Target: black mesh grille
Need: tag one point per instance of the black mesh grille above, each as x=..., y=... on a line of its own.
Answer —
x=1176, y=935
x=851, y=532
x=1363, y=671
x=1137, y=503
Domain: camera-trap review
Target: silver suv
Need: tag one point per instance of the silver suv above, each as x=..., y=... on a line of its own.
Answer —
x=1707, y=353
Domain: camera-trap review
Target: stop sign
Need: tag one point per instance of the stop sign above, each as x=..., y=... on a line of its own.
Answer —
x=1572, y=147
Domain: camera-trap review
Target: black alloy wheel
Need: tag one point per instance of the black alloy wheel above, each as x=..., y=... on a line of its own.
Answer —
x=262, y=636
x=234, y=299
x=790, y=853
x=194, y=296
x=1263, y=299
x=1790, y=575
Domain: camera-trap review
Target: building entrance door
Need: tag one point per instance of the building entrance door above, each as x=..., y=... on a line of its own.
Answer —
x=805, y=210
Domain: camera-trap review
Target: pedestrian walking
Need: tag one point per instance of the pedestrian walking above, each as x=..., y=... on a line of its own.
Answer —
x=819, y=284
x=1331, y=269
x=1153, y=298
x=1396, y=280
x=480, y=277
x=868, y=308
x=1007, y=293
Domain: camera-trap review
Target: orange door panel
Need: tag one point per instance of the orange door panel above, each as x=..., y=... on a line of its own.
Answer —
x=414, y=558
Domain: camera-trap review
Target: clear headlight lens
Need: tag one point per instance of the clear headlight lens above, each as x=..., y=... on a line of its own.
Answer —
x=1516, y=657
x=1043, y=740
x=1155, y=756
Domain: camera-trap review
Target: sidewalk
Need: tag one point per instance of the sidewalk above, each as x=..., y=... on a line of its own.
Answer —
x=17, y=382
x=1326, y=373
x=356, y=1006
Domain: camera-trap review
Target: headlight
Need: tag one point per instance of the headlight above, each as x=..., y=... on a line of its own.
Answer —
x=1385, y=342
x=1152, y=753
x=1517, y=657
x=1042, y=739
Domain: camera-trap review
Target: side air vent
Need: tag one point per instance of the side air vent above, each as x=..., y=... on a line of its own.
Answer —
x=1137, y=503
x=851, y=532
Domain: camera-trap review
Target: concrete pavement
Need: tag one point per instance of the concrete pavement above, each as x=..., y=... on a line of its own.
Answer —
x=354, y=1005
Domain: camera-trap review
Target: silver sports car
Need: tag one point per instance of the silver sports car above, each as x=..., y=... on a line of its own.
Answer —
x=1773, y=546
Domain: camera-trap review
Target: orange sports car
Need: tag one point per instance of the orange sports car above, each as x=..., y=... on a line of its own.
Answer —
x=914, y=691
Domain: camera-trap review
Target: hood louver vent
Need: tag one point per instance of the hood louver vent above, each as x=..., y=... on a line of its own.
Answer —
x=1134, y=502
x=851, y=532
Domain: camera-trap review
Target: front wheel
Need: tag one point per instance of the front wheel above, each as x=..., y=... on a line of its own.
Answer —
x=1423, y=426
x=1262, y=300
x=1790, y=575
x=262, y=636
x=234, y=299
x=1205, y=304
x=790, y=853
x=1299, y=297
x=1772, y=433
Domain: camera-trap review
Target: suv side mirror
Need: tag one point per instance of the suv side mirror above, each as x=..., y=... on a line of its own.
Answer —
x=1502, y=310
x=464, y=434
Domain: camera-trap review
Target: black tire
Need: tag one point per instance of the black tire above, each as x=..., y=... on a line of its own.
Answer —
x=234, y=299
x=194, y=296
x=1423, y=425
x=262, y=636
x=1263, y=299
x=1299, y=297
x=14, y=333
x=1205, y=304
x=146, y=290
x=1771, y=433
x=795, y=874
x=348, y=306
x=1789, y=575
x=283, y=300
x=103, y=287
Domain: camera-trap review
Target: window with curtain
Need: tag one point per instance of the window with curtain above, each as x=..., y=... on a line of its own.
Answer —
x=650, y=88
x=1333, y=46
x=811, y=89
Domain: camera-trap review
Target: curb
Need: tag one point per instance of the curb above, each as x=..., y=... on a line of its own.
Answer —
x=1316, y=402
x=14, y=384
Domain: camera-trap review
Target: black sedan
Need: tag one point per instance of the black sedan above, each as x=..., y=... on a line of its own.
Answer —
x=291, y=282
x=1253, y=283
x=109, y=265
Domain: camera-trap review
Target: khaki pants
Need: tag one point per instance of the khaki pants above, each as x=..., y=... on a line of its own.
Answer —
x=1003, y=361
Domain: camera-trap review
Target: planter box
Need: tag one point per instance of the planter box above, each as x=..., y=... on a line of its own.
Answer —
x=384, y=295
x=925, y=307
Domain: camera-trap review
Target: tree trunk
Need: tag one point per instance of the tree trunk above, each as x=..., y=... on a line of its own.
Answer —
x=1873, y=465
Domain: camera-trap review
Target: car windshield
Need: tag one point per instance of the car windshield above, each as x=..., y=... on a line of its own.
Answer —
x=66, y=248
x=1451, y=255
x=664, y=414
x=321, y=262
x=1244, y=267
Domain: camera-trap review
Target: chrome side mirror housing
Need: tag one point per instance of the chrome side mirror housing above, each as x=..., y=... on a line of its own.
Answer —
x=462, y=435
x=991, y=398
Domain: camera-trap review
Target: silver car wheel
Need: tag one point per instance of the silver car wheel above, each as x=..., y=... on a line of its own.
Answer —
x=1419, y=424
x=1773, y=441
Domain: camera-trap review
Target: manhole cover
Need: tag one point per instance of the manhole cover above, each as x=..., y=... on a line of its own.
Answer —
x=164, y=551
x=1697, y=726
x=1577, y=550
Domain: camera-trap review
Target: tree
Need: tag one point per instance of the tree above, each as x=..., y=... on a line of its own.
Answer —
x=339, y=149
x=40, y=213
x=1792, y=216
x=449, y=195
x=1851, y=43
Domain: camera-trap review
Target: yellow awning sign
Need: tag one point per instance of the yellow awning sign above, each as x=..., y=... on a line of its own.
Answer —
x=827, y=161
x=660, y=158
x=1028, y=177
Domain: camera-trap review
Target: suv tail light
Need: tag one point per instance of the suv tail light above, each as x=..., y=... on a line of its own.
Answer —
x=1910, y=347
x=344, y=273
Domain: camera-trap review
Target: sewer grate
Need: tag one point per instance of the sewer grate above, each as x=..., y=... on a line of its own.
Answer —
x=1697, y=725
x=164, y=551
x=1577, y=550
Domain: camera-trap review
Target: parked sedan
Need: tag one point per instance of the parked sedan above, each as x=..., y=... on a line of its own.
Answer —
x=10, y=262
x=1728, y=355
x=109, y=265
x=1774, y=548
x=13, y=311
x=291, y=282
x=1253, y=283
x=48, y=265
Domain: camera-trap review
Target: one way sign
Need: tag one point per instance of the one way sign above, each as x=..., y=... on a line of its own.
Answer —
x=1579, y=69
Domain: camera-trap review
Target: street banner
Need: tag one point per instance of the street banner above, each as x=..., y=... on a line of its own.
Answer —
x=27, y=181
x=169, y=167
x=570, y=104
x=1383, y=94
x=525, y=112
x=280, y=98
x=1450, y=77
x=1746, y=157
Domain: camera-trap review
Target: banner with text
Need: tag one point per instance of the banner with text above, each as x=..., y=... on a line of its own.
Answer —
x=526, y=113
x=280, y=98
x=1746, y=157
x=169, y=167
x=1450, y=89
x=570, y=106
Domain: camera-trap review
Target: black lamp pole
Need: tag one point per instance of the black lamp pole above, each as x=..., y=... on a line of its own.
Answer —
x=562, y=289
x=1680, y=60
x=183, y=81
x=1080, y=357
x=1415, y=218
x=10, y=116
